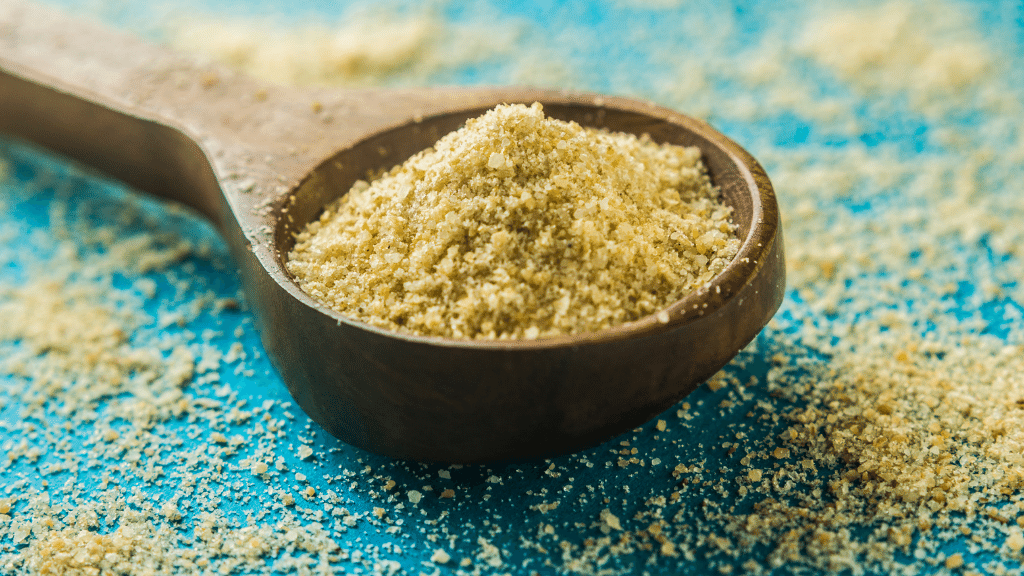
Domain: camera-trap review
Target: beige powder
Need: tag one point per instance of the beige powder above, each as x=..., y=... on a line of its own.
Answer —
x=520, y=226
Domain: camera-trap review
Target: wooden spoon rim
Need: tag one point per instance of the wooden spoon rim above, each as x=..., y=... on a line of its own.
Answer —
x=705, y=301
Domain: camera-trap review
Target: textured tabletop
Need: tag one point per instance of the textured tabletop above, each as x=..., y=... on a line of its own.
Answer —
x=875, y=426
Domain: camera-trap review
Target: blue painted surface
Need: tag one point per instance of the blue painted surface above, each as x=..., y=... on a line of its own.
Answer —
x=608, y=65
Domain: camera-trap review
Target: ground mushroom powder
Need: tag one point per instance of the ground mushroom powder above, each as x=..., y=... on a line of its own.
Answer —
x=520, y=226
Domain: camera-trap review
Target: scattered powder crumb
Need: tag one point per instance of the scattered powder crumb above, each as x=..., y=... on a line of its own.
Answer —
x=610, y=520
x=440, y=557
x=489, y=553
x=1015, y=541
x=545, y=507
x=79, y=349
x=715, y=384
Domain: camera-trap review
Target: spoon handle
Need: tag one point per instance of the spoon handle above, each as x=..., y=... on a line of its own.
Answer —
x=104, y=98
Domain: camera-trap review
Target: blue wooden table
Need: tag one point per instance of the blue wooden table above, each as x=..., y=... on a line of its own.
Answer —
x=866, y=117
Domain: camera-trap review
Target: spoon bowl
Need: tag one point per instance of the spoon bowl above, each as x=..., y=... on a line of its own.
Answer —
x=262, y=161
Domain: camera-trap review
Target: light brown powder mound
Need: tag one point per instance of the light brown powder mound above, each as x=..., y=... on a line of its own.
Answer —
x=520, y=226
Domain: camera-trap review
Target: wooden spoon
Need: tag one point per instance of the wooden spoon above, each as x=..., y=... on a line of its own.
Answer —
x=261, y=161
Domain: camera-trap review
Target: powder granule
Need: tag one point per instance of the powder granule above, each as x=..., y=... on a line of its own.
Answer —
x=520, y=226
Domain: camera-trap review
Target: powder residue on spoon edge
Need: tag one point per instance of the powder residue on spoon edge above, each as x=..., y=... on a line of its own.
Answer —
x=520, y=226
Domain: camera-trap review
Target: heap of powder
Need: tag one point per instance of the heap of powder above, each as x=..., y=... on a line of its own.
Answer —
x=520, y=226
